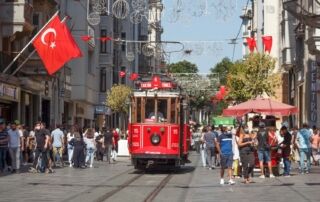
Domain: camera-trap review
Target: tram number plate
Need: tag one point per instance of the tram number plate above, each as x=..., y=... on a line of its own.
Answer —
x=176, y=145
x=135, y=144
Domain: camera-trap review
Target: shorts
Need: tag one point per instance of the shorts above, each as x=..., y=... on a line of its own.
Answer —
x=226, y=161
x=264, y=156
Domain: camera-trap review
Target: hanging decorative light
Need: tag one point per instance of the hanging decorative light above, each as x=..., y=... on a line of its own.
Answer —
x=120, y=9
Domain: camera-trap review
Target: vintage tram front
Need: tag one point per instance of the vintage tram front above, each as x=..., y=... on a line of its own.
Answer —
x=159, y=134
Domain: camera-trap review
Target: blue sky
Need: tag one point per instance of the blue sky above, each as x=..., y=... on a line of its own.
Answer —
x=190, y=24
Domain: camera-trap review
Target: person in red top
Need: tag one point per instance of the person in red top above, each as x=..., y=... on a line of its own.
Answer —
x=273, y=141
x=115, y=145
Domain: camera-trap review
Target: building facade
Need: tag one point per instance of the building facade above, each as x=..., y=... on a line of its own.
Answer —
x=77, y=93
x=295, y=31
x=303, y=57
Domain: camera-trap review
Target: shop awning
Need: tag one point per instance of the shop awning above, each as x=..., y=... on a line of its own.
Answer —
x=225, y=121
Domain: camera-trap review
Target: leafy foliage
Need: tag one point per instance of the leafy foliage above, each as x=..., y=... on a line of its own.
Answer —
x=183, y=67
x=222, y=68
x=219, y=107
x=252, y=77
x=117, y=98
x=199, y=101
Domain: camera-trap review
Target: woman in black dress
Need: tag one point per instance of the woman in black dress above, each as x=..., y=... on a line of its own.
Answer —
x=246, y=147
x=78, y=150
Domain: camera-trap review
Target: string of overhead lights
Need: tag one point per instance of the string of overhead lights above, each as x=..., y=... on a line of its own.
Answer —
x=182, y=11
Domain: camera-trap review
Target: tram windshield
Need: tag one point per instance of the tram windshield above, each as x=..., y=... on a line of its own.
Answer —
x=159, y=110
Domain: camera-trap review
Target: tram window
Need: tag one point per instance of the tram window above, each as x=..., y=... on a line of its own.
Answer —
x=162, y=109
x=149, y=108
x=138, y=110
x=173, y=110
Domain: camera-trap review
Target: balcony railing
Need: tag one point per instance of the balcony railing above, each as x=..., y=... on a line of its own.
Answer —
x=288, y=58
x=301, y=13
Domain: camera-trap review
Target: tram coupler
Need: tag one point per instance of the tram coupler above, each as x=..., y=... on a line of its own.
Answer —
x=150, y=163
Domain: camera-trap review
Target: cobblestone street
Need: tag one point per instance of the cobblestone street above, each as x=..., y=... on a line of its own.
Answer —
x=120, y=182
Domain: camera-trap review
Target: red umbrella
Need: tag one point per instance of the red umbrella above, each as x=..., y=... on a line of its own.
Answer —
x=261, y=105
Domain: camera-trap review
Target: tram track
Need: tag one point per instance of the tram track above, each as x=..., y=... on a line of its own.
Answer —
x=150, y=197
x=108, y=179
x=120, y=187
x=158, y=189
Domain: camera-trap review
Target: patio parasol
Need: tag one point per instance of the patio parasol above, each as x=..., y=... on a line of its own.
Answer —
x=261, y=105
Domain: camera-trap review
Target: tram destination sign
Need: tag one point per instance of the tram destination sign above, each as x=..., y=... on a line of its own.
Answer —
x=160, y=85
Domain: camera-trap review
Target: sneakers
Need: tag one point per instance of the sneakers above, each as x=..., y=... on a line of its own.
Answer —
x=286, y=175
x=90, y=166
x=231, y=182
x=32, y=170
x=70, y=165
x=262, y=176
x=222, y=181
x=272, y=176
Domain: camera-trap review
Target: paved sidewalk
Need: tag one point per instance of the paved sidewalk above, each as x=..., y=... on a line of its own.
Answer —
x=191, y=183
x=298, y=188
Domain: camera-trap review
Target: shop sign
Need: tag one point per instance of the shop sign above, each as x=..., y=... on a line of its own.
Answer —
x=313, y=93
x=101, y=110
x=9, y=92
x=79, y=110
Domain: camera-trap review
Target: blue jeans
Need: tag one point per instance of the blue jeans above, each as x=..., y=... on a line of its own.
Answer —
x=264, y=155
x=287, y=166
x=305, y=152
x=90, y=155
x=70, y=153
x=3, y=154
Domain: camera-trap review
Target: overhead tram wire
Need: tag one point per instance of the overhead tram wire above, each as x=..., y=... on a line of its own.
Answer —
x=234, y=41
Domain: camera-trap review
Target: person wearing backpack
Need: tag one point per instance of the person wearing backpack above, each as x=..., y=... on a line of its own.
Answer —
x=264, y=149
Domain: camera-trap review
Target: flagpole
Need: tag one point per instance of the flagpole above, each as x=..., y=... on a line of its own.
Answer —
x=31, y=54
x=26, y=46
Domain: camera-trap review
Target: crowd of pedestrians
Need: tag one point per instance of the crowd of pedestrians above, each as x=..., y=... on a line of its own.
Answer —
x=239, y=150
x=45, y=150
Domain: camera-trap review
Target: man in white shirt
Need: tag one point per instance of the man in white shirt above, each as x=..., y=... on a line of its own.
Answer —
x=57, y=144
x=15, y=141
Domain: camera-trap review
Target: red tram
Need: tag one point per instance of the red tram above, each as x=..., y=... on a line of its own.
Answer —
x=159, y=133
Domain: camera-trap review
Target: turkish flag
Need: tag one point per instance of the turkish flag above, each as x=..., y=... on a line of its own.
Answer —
x=56, y=46
x=267, y=41
x=223, y=90
x=251, y=44
x=105, y=38
x=133, y=76
x=122, y=74
x=86, y=38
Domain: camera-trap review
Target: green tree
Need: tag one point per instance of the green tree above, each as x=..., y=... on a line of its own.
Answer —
x=252, y=77
x=222, y=69
x=182, y=67
x=117, y=98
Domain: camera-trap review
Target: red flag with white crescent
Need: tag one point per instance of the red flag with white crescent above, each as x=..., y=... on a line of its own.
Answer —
x=56, y=46
x=122, y=74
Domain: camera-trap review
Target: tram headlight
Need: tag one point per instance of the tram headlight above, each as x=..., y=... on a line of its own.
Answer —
x=155, y=139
